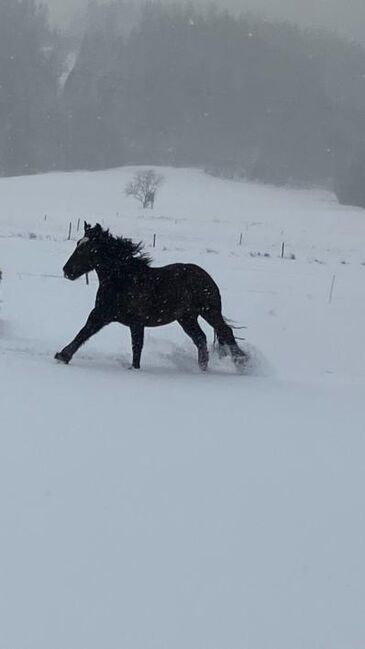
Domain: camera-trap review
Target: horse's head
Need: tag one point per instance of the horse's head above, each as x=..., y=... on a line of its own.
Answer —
x=99, y=250
x=84, y=259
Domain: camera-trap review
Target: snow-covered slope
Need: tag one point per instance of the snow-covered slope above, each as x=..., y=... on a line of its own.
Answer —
x=169, y=508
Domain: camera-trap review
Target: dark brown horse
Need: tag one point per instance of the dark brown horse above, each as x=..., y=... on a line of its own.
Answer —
x=137, y=295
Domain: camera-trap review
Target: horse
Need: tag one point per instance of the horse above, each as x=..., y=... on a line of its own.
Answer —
x=138, y=295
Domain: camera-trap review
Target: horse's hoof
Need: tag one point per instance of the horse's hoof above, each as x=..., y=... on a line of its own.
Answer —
x=203, y=359
x=62, y=358
x=240, y=363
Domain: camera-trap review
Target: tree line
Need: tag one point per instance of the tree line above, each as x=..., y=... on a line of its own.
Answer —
x=172, y=85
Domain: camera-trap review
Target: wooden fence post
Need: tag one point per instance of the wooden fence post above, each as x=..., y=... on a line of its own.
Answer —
x=331, y=289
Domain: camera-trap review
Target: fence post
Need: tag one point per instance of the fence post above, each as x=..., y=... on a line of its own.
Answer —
x=69, y=231
x=332, y=289
x=154, y=241
x=282, y=249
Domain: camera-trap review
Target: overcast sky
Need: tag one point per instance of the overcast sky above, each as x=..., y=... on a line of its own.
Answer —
x=344, y=16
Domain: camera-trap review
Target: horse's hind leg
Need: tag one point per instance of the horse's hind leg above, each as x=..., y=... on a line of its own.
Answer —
x=222, y=347
x=226, y=339
x=192, y=329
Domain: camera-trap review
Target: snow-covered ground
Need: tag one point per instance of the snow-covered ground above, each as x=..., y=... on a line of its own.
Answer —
x=169, y=509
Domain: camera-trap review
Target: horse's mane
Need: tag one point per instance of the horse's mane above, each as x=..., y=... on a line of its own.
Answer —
x=124, y=249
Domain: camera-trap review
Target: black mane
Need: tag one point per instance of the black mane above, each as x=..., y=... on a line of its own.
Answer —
x=123, y=249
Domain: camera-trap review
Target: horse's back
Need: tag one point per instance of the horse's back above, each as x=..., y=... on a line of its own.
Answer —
x=191, y=273
x=192, y=281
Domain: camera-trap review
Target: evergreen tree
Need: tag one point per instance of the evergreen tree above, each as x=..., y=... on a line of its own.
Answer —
x=178, y=86
x=28, y=91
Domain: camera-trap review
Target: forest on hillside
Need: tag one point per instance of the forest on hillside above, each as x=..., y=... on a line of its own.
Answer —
x=170, y=85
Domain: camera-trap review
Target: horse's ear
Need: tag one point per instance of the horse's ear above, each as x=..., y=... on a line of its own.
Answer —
x=98, y=229
x=87, y=226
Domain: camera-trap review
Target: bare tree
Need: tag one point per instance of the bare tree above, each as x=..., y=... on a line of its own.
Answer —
x=144, y=186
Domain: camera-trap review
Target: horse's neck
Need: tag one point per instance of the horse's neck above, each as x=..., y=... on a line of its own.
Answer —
x=110, y=273
x=106, y=274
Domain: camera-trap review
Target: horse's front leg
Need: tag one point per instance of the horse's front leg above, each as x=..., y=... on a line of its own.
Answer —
x=94, y=323
x=137, y=333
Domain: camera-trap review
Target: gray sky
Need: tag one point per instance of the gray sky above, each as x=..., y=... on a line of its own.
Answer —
x=344, y=16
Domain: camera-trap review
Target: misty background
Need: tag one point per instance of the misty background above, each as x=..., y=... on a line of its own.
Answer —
x=345, y=18
x=251, y=95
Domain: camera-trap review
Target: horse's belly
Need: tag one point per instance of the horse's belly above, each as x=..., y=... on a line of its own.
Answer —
x=159, y=320
x=153, y=313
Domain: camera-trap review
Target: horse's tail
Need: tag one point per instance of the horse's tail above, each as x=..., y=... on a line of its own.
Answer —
x=234, y=326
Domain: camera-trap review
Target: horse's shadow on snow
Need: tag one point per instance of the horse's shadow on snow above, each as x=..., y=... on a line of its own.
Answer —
x=176, y=359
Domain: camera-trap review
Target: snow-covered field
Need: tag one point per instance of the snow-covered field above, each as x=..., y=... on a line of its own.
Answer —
x=169, y=509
